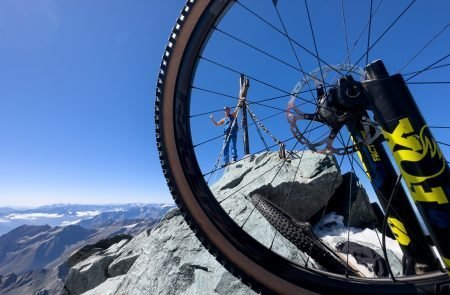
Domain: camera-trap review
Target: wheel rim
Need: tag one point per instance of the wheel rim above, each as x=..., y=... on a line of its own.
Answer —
x=188, y=156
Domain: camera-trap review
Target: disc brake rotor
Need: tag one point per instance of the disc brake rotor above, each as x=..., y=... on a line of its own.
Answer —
x=325, y=112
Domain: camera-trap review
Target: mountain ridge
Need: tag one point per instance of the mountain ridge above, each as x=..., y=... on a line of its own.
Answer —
x=33, y=258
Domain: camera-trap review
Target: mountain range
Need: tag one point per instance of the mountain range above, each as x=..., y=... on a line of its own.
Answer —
x=66, y=214
x=33, y=257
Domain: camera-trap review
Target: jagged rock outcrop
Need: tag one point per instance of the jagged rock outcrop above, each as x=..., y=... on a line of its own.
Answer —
x=33, y=259
x=351, y=202
x=91, y=249
x=171, y=259
x=308, y=178
x=93, y=270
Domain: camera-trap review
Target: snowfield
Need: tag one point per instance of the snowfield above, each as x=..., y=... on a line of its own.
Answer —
x=333, y=231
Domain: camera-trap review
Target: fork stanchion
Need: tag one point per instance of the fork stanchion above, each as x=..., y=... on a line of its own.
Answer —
x=418, y=156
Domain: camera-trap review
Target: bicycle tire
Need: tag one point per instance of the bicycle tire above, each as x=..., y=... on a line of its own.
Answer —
x=243, y=256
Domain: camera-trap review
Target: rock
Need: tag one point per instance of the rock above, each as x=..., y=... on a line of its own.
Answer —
x=172, y=262
x=38, y=255
x=229, y=285
x=108, y=287
x=7, y=280
x=90, y=249
x=121, y=266
x=170, y=259
x=32, y=282
x=92, y=271
x=309, y=178
x=360, y=211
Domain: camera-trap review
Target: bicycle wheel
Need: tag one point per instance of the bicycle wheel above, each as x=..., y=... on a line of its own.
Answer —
x=198, y=52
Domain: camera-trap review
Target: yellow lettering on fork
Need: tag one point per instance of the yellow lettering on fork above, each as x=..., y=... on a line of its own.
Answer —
x=374, y=153
x=399, y=231
x=436, y=195
x=416, y=147
x=446, y=262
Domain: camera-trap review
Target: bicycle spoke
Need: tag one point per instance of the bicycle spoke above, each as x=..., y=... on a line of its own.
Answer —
x=273, y=240
x=428, y=82
x=304, y=133
x=439, y=127
x=341, y=140
x=214, y=43
x=385, y=31
x=301, y=157
x=314, y=40
x=293, y=49
x=345, y=30
x=240, y=128
x=329, y=192
x=379, y=194
x=257, y=80
x=299, y=69
x=251, y=212
x=274, y=145
x=347, y=58
x=259, y=176
x=423, y=48
x=270, y=169
x=368, y=34
x=443, y=143
x=249, y=76
x=427, y=68
x=250, y=102
x=349, y=210
x=367, y=207
x=292, y=40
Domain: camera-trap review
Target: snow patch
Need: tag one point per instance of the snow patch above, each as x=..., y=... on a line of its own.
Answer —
x=87, y=213
x=33, y=216
x=333, y=231
x=131, y=225
x=66, y=223
x=118, y=210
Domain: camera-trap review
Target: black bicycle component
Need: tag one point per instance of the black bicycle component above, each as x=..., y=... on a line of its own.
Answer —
x=301, y=235
x=351, y=95
x=401, y=217
x=244, y=84
x=421, y=162
x=342, y=105
x=384, y=226
x=244, y=256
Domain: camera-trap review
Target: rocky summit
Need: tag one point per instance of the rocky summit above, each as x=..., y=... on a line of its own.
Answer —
x=170, y=260
x=35, y=259
x=306, y=178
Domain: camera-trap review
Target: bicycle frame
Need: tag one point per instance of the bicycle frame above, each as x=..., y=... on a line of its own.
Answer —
x=420, y=161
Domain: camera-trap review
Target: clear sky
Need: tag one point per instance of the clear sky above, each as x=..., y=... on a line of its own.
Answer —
x=406, y=37
x=77, y=82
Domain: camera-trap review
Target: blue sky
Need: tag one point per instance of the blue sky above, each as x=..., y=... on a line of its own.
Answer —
x=76, y=100
x=78, y=77
x=397, y=46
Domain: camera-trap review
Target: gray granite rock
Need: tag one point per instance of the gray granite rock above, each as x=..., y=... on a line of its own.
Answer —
x=170, y=259
x=172, y=262
x=300, y=187
x=92, y=271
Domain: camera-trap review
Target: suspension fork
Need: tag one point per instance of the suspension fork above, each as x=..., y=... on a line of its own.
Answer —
x=401, y=219
x=421, y=162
